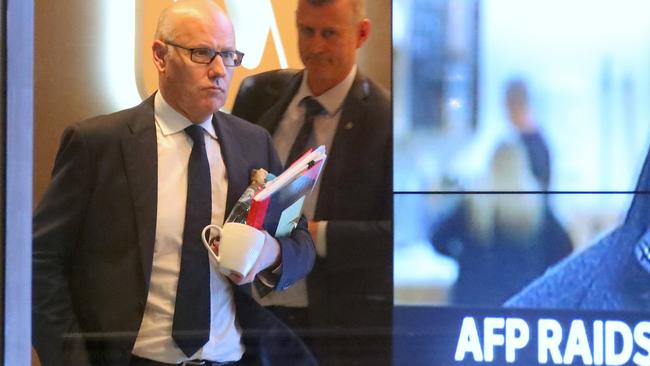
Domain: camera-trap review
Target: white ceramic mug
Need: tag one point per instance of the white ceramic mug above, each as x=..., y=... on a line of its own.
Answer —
x=239, y=247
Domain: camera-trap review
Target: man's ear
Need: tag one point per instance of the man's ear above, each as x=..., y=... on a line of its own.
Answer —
x=363, y=32
x=159, y=50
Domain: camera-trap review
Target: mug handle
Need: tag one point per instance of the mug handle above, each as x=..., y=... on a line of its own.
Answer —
x=205, y=240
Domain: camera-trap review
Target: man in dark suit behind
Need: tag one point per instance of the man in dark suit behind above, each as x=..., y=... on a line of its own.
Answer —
x=112, y=239
x=345, y=308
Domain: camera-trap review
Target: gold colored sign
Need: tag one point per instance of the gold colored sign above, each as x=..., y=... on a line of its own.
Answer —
x=265, y=32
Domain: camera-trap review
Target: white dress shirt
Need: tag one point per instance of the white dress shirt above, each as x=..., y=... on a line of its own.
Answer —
x=154, y=339
x=325, y=126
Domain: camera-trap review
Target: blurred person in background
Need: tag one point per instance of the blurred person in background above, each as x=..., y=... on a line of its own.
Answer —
x=520, y=116
x=501, y=241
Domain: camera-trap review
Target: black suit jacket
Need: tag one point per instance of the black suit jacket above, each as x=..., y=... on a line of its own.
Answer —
x=351, y=289
x=94, y=234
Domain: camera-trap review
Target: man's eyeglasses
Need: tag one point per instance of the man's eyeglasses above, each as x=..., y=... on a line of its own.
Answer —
x=206, y=55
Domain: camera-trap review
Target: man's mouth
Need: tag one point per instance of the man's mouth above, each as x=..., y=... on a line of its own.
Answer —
x=215, y=89
x=319, y=60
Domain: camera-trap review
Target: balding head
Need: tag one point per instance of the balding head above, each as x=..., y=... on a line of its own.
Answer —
x=170, y=17
x=193, y=88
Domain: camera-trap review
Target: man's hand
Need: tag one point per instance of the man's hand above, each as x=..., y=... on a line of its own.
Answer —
x=269, y=257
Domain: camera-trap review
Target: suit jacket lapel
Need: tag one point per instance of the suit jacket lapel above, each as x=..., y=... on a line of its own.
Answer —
x=141, y=165
x=346, y=140
x=232, y=158
x=140, y=154
x=271, y=118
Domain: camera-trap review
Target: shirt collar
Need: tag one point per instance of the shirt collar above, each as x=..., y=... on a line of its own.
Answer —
x=170, y=121
x=332, y=100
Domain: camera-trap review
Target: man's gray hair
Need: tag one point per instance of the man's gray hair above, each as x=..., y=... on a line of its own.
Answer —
x=358, y=6
x=164, y=27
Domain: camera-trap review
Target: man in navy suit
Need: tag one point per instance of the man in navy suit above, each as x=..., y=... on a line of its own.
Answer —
x=346, y=302
x=111, y=238
x=612, y=274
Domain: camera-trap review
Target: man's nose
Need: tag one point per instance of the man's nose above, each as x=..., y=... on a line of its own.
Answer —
x=317, y=44
x=217, y=68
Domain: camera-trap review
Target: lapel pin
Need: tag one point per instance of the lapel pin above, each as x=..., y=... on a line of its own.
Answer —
x=348, y=125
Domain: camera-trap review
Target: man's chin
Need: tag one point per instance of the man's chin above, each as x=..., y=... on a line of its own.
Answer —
x=206, y=112
x=214, y=103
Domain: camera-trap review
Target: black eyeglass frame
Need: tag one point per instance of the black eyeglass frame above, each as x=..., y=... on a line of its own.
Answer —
x=236, y=59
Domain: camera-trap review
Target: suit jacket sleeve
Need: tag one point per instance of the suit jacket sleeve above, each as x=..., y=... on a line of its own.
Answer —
x=56, y=227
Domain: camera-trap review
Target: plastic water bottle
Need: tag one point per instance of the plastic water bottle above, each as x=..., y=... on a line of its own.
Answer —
x=239, y=212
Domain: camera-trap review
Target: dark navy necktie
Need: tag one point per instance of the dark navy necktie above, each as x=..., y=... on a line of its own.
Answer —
x=312, y=109
x=191, y=325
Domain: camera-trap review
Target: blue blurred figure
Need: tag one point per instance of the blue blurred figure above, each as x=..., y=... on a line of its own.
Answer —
x=521, y=118
x=501, y=241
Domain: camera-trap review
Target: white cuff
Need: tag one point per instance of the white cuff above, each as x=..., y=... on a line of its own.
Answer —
x=269, y=278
